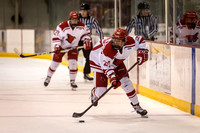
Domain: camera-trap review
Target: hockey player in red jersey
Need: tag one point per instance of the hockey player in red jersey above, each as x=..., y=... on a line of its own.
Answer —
x=106, y=61
x=188, y=29
x=67, y=36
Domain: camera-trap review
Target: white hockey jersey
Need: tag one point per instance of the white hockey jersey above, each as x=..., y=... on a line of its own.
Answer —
x=104, y=58
x=66, y=37
x=188, y=36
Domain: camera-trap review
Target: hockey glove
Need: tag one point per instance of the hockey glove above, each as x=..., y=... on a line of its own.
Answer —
x=57, y=49
x=142, y=55
x=87, y=44
x=114, y=81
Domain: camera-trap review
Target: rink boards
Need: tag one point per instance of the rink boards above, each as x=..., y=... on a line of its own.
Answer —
x=171, y=76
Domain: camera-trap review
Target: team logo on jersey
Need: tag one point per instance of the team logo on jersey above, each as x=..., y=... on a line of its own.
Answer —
x=88, y=25
x=139, y=23
x=70, y=38
x=106, y=63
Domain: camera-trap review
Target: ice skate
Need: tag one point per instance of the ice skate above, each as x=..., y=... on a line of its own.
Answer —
x=87, y=77
x=47, y=81
x=93, y=97
x=140, y=110
x=73, y=85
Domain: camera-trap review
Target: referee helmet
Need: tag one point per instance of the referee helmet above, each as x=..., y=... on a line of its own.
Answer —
x=85, y=6
x=143, y=5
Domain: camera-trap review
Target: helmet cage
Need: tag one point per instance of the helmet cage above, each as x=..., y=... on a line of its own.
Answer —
x=121, y=35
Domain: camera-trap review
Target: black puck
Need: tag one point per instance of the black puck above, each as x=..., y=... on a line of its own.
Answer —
x=81, y=121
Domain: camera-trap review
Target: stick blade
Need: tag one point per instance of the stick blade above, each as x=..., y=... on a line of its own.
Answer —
x=77, y=115
x=17, y=52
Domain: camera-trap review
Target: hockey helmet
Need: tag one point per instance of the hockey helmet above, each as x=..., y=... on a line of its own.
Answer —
x=73, y=15
x=190, y=19
x=143, y=5
x=189, y=14
x=85, y=6
x=120, y=34
x=119, y=38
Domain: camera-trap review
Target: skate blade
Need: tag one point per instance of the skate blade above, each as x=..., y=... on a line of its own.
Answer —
x=73, y=89
x=88, y=80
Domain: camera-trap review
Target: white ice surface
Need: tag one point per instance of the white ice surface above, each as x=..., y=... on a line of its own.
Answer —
x=26, y=106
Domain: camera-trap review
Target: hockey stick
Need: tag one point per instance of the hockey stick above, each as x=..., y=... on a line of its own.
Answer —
x=24, y=56
x=76, y=115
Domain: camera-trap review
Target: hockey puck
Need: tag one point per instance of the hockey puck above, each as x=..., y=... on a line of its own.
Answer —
x=81, y=121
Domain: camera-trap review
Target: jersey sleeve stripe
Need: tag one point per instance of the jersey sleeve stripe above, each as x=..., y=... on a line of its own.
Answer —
x=94, y=65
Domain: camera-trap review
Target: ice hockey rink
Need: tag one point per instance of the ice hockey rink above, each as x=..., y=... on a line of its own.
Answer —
x=26, y=106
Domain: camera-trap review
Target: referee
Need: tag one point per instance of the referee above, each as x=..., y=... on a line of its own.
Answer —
x=144, y=23
x=90, y=22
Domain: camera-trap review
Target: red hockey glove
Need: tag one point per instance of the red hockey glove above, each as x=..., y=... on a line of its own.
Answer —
x=114, y=81
x=57, y=49
x=87, y=44
x=142, y=55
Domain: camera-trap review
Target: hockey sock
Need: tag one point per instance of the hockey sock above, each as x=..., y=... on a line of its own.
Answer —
x=129, y=89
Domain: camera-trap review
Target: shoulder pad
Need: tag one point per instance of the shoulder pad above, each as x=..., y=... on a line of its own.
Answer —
x=64, y=25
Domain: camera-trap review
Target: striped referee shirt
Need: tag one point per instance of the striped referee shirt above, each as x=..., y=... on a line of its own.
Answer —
x=144, y=25
x=91, y=22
